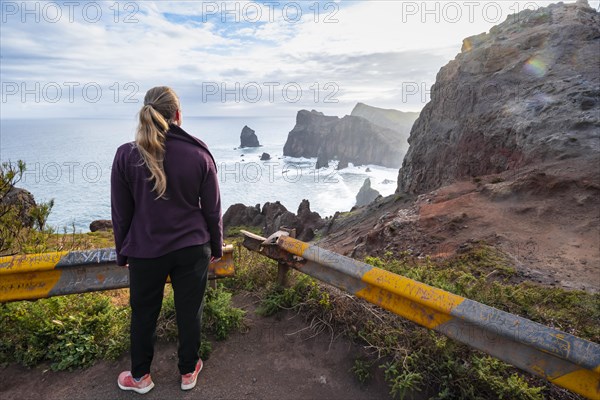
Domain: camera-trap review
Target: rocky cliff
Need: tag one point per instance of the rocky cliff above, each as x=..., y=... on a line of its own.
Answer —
x=395, y=120
x=524, y=93
x=348, y=139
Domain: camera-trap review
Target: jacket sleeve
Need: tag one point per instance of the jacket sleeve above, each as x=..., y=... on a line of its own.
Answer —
x=210, y=203
x=121, y=204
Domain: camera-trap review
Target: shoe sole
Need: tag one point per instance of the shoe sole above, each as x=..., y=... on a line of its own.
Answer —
x=140, y=391
x=193, y=384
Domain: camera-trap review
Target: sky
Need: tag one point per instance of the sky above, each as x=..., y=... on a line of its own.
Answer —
x=96, y=59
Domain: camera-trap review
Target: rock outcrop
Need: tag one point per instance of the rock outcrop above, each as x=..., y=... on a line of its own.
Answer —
x=23, y=202
x=265, y=157
x=242, y=215
x=366, y=194
x=101, y=225
x=248, y=138
x=524, y=93
x=273, y=216
x=348, y=139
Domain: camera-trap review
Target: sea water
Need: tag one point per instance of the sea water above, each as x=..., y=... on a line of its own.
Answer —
x=69, y=160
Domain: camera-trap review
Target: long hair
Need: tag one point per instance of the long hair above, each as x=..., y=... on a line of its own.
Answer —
x=160, y=106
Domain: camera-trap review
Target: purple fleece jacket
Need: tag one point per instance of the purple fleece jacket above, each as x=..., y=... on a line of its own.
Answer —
x=190, y=215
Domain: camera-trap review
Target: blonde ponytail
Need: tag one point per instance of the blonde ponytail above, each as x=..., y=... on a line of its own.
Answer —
x=160, y=107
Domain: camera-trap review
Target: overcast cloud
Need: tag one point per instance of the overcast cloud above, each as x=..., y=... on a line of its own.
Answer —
x=243, y=58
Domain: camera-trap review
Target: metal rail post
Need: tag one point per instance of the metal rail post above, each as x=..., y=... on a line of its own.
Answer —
x=282, y=267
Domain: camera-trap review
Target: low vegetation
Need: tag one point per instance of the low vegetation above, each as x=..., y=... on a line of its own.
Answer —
x=412, y=359
x=22, y=224
x=67, y=331
x=74, y=331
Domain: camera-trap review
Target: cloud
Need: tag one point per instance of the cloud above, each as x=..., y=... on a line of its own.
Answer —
x=365, y=51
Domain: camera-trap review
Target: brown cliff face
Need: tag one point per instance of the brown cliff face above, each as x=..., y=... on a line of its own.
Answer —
x=348, y=139
x=525, y=93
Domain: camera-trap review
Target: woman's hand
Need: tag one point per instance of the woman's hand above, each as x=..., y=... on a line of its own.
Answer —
x=214, y=260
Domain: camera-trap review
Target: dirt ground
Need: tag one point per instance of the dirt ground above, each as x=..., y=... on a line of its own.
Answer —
x=276, y=358
x=545, y=218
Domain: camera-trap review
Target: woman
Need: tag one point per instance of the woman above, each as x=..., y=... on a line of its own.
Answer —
x=166, y=215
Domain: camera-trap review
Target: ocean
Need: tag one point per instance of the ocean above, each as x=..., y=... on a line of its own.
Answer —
x=69, y=160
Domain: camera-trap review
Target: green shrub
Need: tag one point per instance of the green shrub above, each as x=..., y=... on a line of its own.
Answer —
x=220, y=317
x=253, y=272
x=304, y=291
x=22, y=228
x=402, y=382
x=362, y=370
x=67, y=331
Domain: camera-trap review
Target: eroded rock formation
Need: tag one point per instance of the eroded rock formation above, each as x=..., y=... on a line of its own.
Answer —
x=348, y=139
x=248, y=138
x=526, y=92
x=273, y=216
x=366, y=194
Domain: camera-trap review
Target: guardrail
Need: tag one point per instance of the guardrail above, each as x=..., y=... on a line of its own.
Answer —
x=561, y=358
x=35, y=276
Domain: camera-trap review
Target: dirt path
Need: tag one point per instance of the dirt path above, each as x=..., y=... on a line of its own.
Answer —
x=269, y=361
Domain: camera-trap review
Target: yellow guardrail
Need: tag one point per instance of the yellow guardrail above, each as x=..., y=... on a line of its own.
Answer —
x=561, y=358
x=35, y=276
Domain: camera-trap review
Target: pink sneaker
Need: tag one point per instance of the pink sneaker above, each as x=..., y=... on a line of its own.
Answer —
x=188, y=381
x=126, y=382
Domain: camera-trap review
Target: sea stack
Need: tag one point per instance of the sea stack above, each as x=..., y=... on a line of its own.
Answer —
x=366, y=194
x=248, y=138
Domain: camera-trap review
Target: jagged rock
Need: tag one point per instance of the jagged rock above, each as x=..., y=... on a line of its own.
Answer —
x=350, y=138
x=524, y=93
x=241, y=215
x=310, y=221
x=23, y=201
x=276, y=216
x=273, y=216
x=102, y=225
x=366, y=194
x=265, y=157
x=387, y=182
x=248, y=138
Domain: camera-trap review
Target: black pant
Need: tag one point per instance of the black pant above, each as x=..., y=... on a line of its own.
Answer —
x=188, y=268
